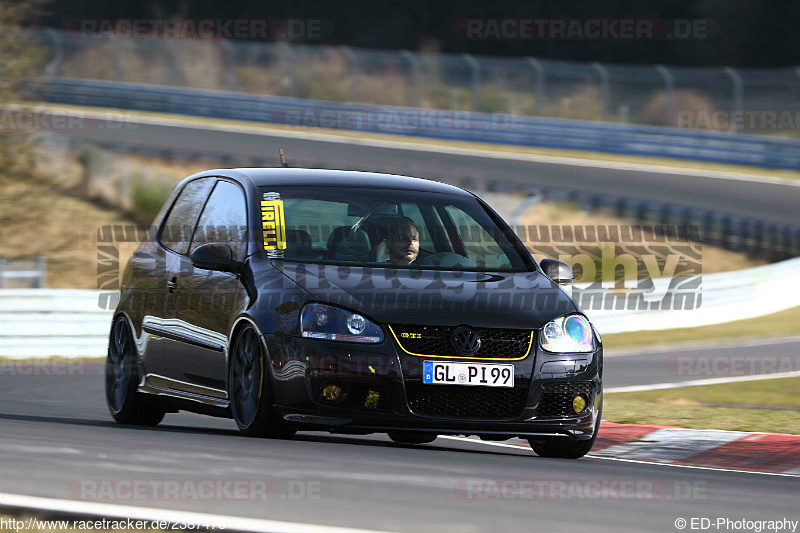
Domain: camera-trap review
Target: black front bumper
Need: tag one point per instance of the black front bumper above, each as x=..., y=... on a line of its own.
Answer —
x=538, y=406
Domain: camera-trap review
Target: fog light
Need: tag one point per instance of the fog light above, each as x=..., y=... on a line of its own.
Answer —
x=332, y=392
x=579, y=403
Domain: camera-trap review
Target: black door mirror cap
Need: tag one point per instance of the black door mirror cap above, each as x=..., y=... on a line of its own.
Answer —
x=215, y=256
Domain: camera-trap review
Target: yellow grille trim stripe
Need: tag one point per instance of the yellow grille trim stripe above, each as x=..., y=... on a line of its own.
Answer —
x=400, y=344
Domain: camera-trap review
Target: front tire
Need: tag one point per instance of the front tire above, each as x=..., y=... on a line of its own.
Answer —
x=249, y=388
x=127, y=406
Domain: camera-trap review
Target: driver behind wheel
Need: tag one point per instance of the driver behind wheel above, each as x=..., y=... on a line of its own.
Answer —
x=402, y=246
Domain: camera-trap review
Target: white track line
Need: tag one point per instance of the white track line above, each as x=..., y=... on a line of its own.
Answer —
x=114, y=511
x=700, y=382
x=590, y=456
x=692, y=467
x=400, y=145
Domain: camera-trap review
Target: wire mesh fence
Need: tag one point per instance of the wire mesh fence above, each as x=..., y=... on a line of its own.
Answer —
x=724, y=99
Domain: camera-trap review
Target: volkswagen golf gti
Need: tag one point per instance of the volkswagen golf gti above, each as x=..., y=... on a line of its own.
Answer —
x=351, y=302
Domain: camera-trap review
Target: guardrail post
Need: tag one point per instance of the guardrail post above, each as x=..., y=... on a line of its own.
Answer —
x=41, y=266
x=669, y=94
x=476, y=80
x=414, y=63
x=352, y=61
x=738, y=93
x=539, y=70
x=601, y=70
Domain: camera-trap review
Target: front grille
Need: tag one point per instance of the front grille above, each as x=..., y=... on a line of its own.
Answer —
x=458, y=401
x=435, y=340
x=557, y=398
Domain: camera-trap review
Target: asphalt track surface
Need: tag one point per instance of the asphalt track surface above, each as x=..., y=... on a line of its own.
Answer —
x=55, y=433
x=683, y=364
x=773, y=202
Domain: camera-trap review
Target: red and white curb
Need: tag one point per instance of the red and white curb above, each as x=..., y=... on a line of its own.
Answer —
x=771, y=453
x=736, y=450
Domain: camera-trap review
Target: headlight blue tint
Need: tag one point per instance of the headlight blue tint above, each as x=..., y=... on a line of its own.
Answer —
x=568, y=334
x=578, y=329
x=320, y=321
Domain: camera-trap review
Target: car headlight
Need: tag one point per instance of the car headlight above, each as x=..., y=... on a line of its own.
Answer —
x=571, y=333
x=320, y=321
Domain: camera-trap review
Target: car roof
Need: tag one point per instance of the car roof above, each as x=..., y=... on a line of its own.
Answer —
x=305, y=177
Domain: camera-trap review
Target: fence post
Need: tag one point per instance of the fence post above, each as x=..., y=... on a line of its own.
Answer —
x=292, y=51
x=601, y=70
x=352, y=61
x=738, y=93
x=230, y=65
x=539, y=70
x=116, y=59
x=291, y=65
x=476, y=80
x=669, y=94
x=53, y=68
x=414, y=62
x=174, y=63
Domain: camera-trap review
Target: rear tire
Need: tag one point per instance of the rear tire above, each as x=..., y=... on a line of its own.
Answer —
x=249, y=388
x=571, y=449
x=413, y=438
x=127, y=406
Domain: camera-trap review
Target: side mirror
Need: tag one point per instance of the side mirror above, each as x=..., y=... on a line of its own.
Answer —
x=560, y=272
x=215, y=256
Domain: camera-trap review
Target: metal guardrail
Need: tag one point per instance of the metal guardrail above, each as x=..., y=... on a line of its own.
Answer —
x=75, y=323
x=47, y=322
x=35, y=270
x=726, y=297
x=495, y=128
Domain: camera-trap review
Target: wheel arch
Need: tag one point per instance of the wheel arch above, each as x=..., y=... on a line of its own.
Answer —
x=238, y=325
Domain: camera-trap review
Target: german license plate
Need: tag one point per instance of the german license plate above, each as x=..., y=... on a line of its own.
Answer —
x=475, y=374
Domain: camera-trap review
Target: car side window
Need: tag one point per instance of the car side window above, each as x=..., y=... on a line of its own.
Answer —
x=224, y=219
x=176, y=231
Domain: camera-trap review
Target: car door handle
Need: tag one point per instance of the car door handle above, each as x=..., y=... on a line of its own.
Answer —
x=172, y=285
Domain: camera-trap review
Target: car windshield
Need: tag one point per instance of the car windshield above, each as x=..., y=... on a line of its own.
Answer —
x=403, y=229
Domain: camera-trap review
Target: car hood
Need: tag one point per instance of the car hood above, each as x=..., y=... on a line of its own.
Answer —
x=404, y=296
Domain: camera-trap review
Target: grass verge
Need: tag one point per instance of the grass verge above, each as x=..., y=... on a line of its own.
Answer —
x=782, y=324
x=743, y=406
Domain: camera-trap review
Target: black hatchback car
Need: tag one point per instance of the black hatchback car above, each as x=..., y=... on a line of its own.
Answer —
x=351, y=302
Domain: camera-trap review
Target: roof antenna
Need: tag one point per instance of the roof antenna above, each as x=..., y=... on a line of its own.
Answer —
x=283, y=160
